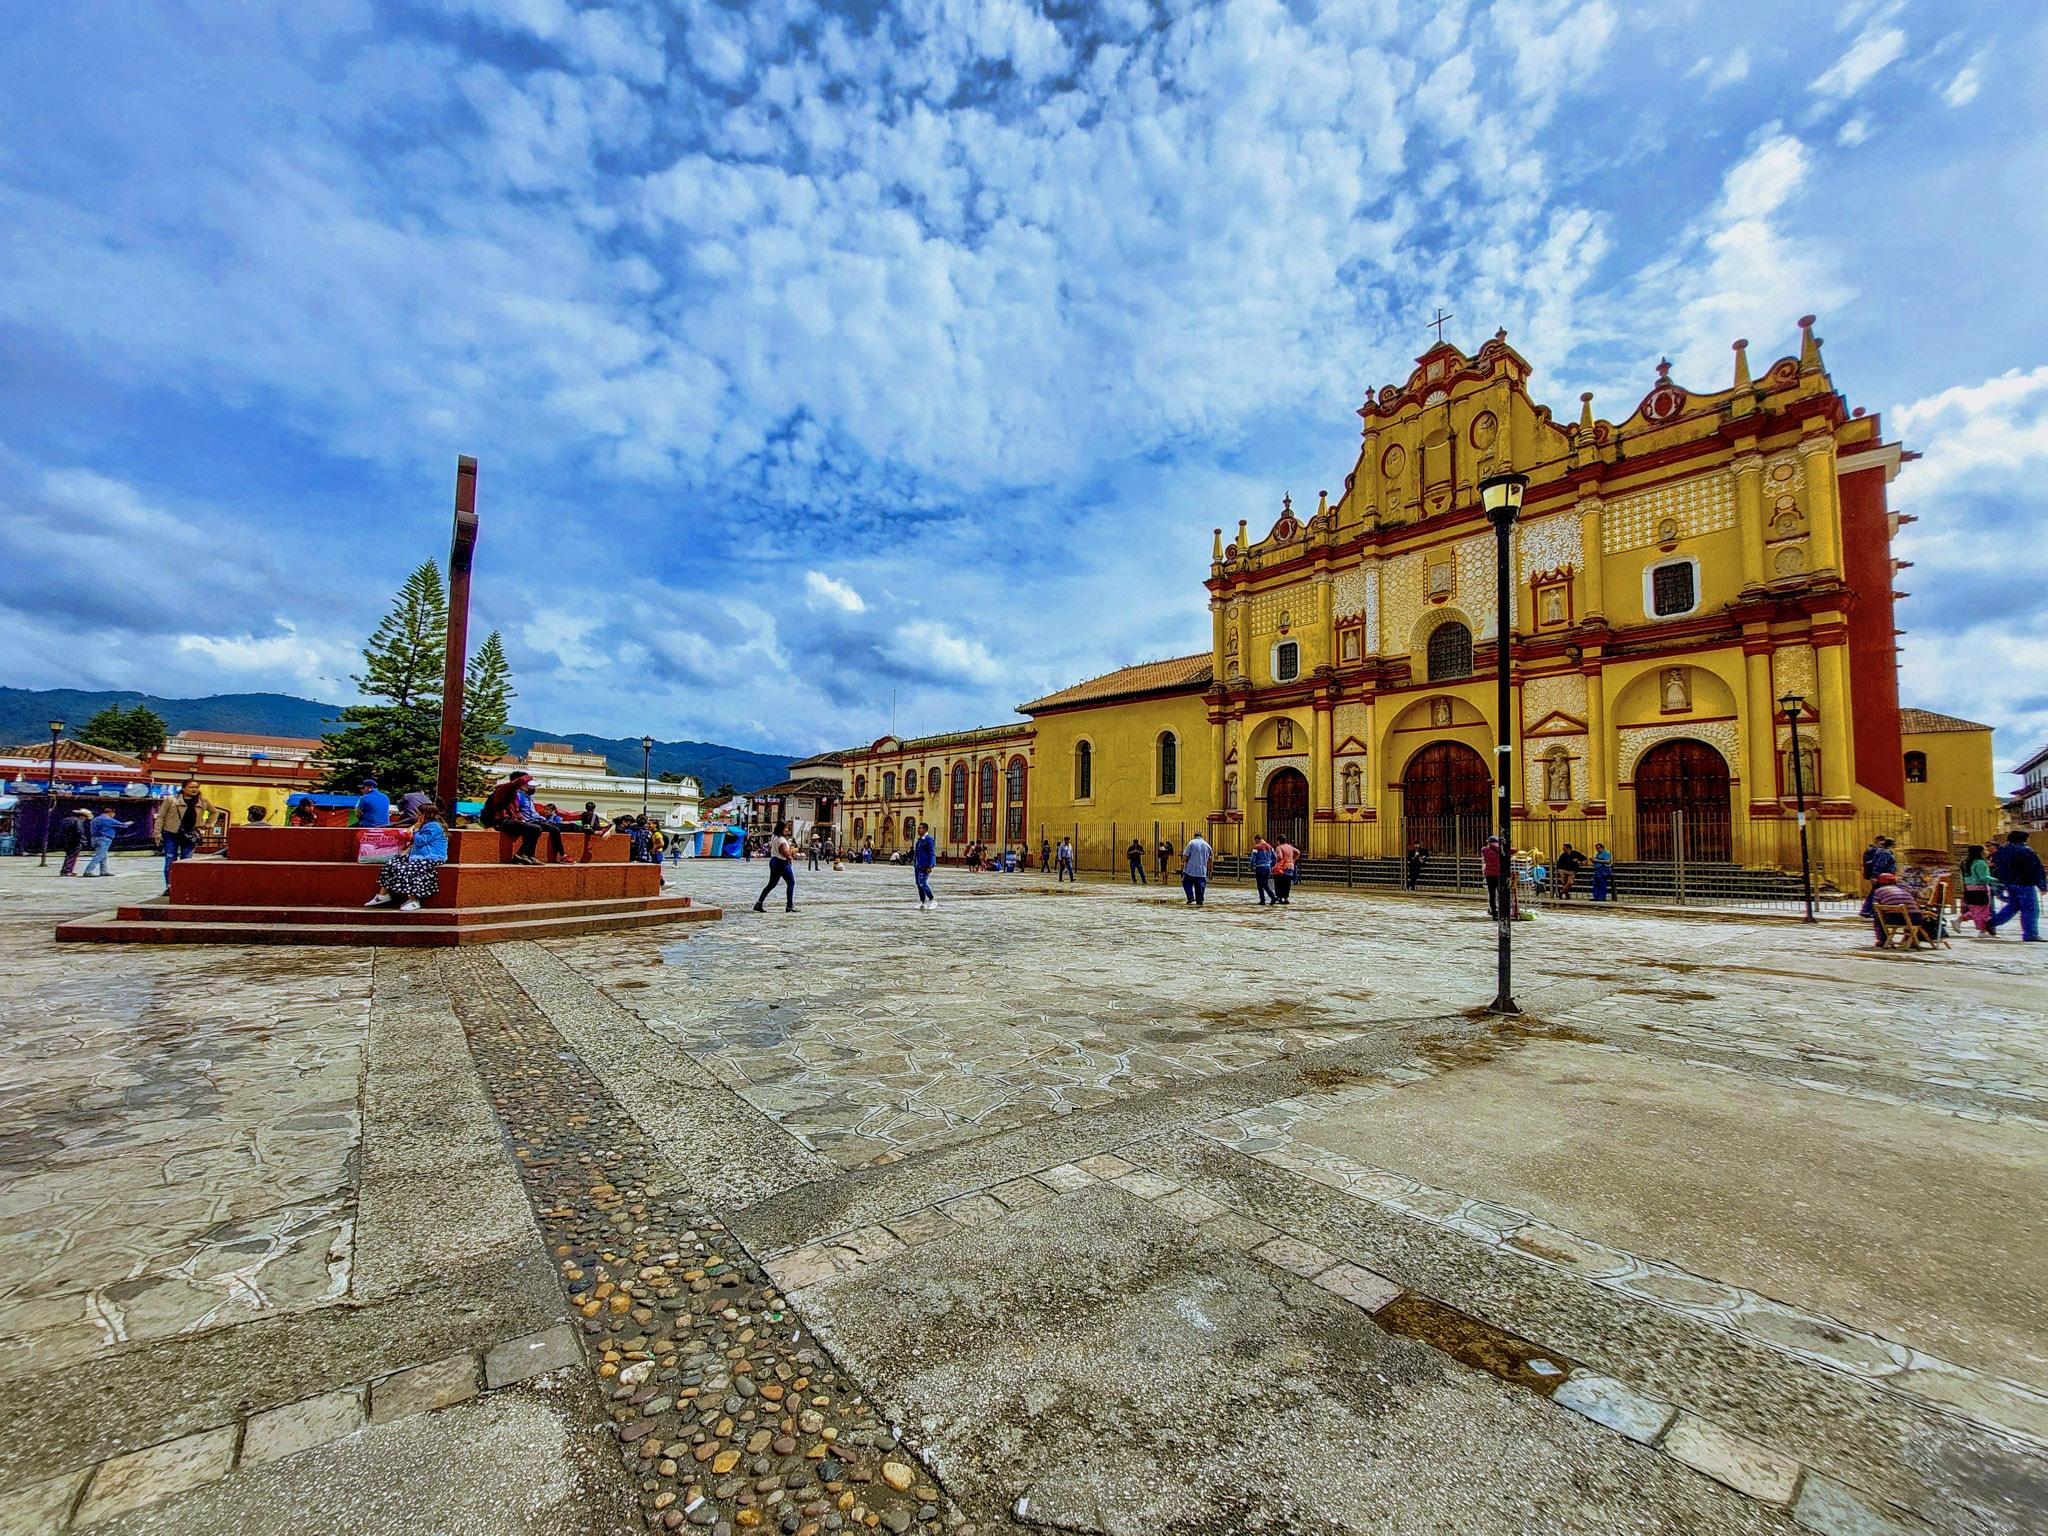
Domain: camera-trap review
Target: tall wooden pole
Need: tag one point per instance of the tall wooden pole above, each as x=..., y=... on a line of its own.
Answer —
x=448, y=781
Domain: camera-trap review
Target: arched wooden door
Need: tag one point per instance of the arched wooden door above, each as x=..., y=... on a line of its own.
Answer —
x=1287, y=809
x=1682, y=803
x=1446, y=797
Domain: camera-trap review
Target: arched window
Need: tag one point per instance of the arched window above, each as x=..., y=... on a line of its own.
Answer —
x=860, y=786
x=985, y=820
x=860, y=826
x=956, y=816
x=1013, y=801
x=888, y=786
x=1354, y=786
x=1450, y=651
x=931, y=783
x=1286, y=661
x=910, y=829
x=1169, y=764
x=1084, y=770
x=1916, y=767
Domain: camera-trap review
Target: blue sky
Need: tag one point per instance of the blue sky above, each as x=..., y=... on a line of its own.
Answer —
x=824, y=355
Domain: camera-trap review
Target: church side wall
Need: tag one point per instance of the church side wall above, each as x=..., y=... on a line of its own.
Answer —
x=1124, y=737
x=1873, y=642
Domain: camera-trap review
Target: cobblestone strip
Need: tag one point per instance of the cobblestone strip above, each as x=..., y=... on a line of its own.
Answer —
x=728, y=1416
x=120, y=1485
x=1813, y=1500
x=2007, y=1407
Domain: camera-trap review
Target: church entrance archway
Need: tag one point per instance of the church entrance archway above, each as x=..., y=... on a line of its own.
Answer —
x=1446, y=797
x=1287, y=809
x=1682, y=803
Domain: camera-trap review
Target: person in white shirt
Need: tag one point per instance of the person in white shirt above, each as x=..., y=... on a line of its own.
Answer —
x=1194, y=870
x=781, y=868
x=1066, y=858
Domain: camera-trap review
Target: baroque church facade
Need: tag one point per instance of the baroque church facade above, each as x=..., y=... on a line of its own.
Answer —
x=1674, y=575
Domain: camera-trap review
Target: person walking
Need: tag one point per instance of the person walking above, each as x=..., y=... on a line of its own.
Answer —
x=923, y=857
x=1603, y=871
x=1878, y=859
x=1194, y=870
x=1164, y=853
x=1066, y=858
x=180, y=820
x=812, y=849
x=1412, y=874
x=1262, y=870
x=1975, y=901
x=70, y=837
x=1044, y=853
x=1493, y=865
x=1286, y=858
x=1136, y=854
x=102, y=830
x=2018, y=868
x=414, y=876
x=781, y=868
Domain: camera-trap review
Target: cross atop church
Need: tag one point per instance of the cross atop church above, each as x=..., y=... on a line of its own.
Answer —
x=1438, y=322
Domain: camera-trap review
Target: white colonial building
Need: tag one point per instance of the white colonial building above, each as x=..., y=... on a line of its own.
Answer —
x=566, y=778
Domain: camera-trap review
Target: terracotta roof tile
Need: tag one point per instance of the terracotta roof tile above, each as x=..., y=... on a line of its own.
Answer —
x=1923, y=720
x=1175, y=672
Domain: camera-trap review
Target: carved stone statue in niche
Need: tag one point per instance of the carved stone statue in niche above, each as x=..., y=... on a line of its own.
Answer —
x=1230, y=643
x=1677, y=687
x=1283, y=735
x=1442, y=578
x=1230, y=791
x=1553, y=606
x=1557, y=778
x=1354, y=778
x=1439, y=711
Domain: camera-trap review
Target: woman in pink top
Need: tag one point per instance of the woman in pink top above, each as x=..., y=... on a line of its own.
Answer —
x=1284, y=859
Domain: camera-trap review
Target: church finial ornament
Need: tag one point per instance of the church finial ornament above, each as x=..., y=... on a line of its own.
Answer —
x=1809, y=346
x=1742, y=378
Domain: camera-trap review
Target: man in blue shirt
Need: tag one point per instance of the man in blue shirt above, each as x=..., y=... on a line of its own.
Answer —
x=102, y=830
x=1194, y=870
x=374, y=808
x=922, y=858
x=2018, y=868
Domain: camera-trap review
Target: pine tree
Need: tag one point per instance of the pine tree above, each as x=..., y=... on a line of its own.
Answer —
x=138, y=731
x=486, y=714
x=396, y=741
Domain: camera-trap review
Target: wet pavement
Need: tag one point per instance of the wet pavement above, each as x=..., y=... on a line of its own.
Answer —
x=1046, y=1209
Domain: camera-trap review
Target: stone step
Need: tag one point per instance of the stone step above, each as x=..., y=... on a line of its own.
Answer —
x=277, y=882
x=112, y=929
x=466, y=845
x=439, y=910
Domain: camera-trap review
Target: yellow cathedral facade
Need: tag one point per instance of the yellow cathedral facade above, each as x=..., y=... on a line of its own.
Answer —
x=1675, y=575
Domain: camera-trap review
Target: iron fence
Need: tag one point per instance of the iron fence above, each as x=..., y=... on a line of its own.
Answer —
x=1686, y=858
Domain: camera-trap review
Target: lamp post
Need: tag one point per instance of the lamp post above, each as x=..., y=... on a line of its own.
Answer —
x=646, y=755
x=1501, y=495
x=50, y=812
x=1792, y=704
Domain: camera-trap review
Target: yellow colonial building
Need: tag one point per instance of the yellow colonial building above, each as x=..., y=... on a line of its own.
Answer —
x=1675, y=574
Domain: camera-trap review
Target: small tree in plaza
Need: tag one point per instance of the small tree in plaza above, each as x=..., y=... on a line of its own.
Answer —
x=486, y=713
x=394, y=736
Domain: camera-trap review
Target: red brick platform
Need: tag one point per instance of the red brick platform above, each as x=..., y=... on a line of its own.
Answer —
x=302, y=885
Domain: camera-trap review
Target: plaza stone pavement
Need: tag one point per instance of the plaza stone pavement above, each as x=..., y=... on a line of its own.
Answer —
x=1048, y=1209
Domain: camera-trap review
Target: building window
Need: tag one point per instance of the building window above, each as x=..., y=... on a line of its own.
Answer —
x=1916, y=767
x=1084, y=770
x=909, y=829
x=1450, y=652
x=860, y=786
x=1169, y=764
x=1354, y=786
x=957, y=812
x=860, y=825
x=931, y=783
x=1013, y=801
x=1671, y=589
x=1286, y=661
x=985, y=822
x=888, y=786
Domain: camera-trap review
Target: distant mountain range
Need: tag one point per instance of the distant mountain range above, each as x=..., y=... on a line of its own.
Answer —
x=26, y=713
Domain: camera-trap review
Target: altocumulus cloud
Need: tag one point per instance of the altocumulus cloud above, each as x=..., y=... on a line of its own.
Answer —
x=822, y=357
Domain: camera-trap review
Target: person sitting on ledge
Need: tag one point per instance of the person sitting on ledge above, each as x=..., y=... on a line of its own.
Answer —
x=414, y=876
x=509, y=808
x=373, y=809
x=259, y=816
x=302, y=814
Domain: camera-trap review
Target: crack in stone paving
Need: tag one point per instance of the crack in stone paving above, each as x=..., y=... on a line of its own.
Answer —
x=729, y=1417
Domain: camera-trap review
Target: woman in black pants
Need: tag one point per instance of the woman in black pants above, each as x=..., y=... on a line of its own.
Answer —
x=781, y=868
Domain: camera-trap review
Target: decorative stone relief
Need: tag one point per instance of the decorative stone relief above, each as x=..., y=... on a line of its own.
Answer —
x=1635, y=740
x=1272, y=765
x=1400, y=599
x=1549, y=542
x=1475, y=583
x=1347, y=592
x=1349, y=720
x=1372, y=610
x=1702, y=504
x=1794, y=670
x=1561, y=695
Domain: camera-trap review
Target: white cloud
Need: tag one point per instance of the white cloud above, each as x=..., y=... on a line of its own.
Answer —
x=1854, y=131
x=1875, y=48
x=1983, y=436
x=1721, y=71
x=930, y=645
x=287, y=654
x=833, y=594
x=1964, y=85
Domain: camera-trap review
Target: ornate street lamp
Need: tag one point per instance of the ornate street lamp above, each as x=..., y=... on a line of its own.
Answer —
x=646, y=755
x=1501, y=495
x=50, y=814
x=1793, y=704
